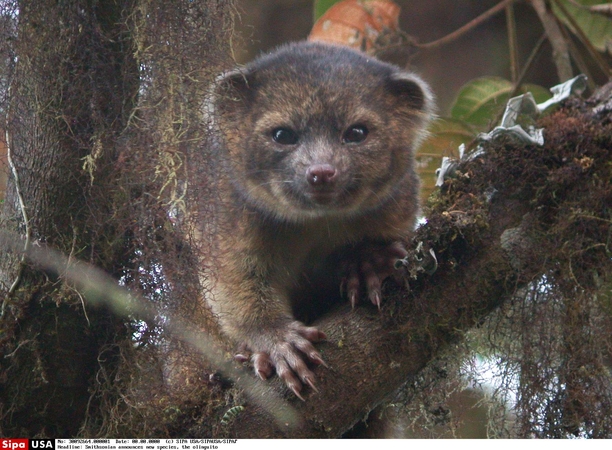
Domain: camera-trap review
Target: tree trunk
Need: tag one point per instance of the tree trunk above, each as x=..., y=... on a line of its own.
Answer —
x=105, y=102
x=70, y=88
x=488, y=229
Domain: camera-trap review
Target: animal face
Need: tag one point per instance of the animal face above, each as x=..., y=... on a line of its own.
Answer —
x=310, y=132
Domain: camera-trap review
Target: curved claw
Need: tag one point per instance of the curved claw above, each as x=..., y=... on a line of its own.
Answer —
x=374, y=264
x=375, y=299
x=353, y=299
x=241, y=358
x=318, y=360
x=286, y=351
x=310, y=383
x=263, y=365
x=297, y=393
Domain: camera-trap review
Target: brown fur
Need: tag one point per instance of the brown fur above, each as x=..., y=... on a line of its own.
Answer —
x=278, y=222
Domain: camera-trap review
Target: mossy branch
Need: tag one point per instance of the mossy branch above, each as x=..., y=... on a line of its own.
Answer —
x=372, y=354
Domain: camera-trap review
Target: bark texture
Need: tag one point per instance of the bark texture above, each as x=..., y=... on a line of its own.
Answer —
x=494, y=229
x=104, y=109
x=69, y=90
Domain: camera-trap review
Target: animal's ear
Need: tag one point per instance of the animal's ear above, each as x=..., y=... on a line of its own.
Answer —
x=233, y=90
x=412, y=92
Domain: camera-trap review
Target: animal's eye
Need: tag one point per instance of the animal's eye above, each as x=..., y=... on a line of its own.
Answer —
x=285, y=136
x=355, y=134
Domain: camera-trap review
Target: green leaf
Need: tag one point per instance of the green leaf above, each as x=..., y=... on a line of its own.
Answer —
x=540, y=94
x=321, y=6
x=596, y=27
x=481, y=101
x=445, y=136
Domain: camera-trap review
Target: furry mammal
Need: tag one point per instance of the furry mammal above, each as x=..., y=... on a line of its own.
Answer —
x=317, y=149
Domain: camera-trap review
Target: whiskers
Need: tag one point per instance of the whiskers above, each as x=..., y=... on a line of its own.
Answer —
x=263, y=184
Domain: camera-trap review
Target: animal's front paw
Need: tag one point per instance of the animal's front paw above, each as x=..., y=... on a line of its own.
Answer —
x=285, y=349
x=370, y=267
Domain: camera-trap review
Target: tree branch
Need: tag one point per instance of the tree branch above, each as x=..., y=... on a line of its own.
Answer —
x=468, y=26
x=372, y=354
x=555, y=36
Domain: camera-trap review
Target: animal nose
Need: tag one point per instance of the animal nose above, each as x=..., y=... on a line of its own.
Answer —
x=321, y=174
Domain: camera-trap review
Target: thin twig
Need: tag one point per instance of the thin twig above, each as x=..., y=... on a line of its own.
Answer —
x=68, y=263
x=578, y=5
x=557, y=40
x=103, y=289
x=512, y=42
x=21, y=344
x=599, y=60
x=529, y=63
x=24, y=214
x=577, y=57
x=467, y=27
x=519, y=81
x=82, y=302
